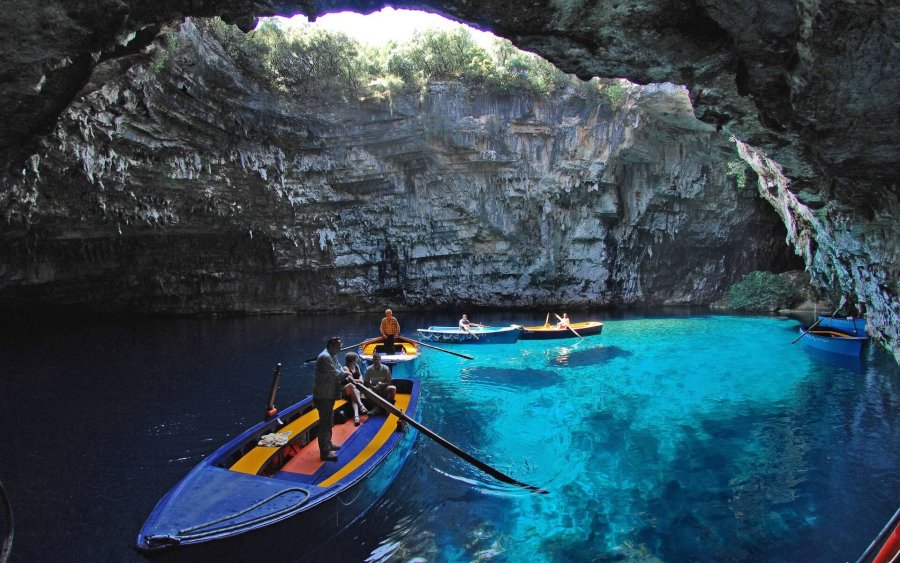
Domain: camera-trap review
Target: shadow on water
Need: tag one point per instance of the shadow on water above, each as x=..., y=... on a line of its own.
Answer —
x=528, y=378
x=590, y=357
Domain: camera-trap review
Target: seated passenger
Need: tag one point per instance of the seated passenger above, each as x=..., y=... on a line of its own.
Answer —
x=351, y=371
x=378, y=379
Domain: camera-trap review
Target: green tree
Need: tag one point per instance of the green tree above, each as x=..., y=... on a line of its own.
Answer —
x=317, y=64
x=614, y=93
x=738, y=169
x=762, y=291
x=386, y=87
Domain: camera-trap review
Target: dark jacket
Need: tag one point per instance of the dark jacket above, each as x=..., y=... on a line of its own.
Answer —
x=329, y=376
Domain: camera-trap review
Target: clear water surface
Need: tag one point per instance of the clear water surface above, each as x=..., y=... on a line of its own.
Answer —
x=670, y=437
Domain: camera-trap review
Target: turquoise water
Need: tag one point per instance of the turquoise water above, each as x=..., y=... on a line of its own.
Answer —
x=679, y=439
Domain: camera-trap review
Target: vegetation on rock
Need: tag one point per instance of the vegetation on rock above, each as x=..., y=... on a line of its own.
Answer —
x=738, y=169
x=762, y=291
x=314, y=63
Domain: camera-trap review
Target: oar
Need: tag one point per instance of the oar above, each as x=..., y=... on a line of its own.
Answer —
x=493, y=472
x=808, y=329
x=341, y=350
x=270, y=406
x=569, y=327
x=819, y=320
x=467, y=331
x=436, y=348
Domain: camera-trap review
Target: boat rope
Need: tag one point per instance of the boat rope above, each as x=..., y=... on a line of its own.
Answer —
x=356, y=496
x=6, y=546
x=185, y=533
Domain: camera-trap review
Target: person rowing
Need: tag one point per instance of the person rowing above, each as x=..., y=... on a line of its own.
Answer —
x=465, y=324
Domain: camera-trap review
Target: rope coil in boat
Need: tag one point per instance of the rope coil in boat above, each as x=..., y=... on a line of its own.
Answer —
x=186, y=534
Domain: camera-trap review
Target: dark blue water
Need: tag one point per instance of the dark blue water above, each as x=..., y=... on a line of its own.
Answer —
x=660, y=439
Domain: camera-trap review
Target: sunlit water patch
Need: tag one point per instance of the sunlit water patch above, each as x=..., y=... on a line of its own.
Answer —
x=707, y=438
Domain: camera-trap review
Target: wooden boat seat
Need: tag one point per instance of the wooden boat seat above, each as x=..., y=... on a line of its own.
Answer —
x=253, y=461
x=399, y=348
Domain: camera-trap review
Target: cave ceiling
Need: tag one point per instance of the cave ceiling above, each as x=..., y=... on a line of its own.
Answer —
x=811, y=84
x=814, y=85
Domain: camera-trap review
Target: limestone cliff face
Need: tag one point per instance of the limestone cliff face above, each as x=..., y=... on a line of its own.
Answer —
x=842, y=245
x=812, y=85
x=192, y=189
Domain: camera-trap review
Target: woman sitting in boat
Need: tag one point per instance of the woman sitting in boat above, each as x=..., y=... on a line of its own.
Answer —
x=564, y=321
x=351, y=371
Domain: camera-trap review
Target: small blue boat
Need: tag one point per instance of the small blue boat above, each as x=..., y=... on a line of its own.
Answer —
x=851, y=325
x=832, y=341
x=475, y=335
x=257, y=501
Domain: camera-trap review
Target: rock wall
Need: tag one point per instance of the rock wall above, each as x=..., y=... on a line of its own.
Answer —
x=860, y=248
x=811, y=84
x=194, y=189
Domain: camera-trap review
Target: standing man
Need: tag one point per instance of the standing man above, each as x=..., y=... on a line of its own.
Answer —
x=326, y=390
x=390, y=329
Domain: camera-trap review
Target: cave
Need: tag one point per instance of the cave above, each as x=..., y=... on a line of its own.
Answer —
x=806, y=93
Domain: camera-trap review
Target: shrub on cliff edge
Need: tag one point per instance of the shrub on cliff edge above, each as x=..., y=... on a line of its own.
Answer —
x=762, y=291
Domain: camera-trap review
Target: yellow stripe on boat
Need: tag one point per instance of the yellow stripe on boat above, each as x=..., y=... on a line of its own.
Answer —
x=399, y=347
x=253, y=461
x=388, y=428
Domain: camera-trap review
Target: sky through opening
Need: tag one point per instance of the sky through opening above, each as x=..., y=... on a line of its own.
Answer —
x=385, y=25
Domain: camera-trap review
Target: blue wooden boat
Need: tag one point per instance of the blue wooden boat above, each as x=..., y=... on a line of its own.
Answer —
x=475, y=335
x=851, y=325
x=833, y=341
x=263, y=503
x=402, y=362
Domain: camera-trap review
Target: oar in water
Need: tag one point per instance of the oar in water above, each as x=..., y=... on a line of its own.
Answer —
x=812, y=326
x=569, y=327
x=441, y=349
x=344, y=349
x=492, y=471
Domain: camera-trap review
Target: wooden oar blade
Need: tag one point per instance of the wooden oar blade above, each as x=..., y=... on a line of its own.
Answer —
x=493, y=472
x=569, y=327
